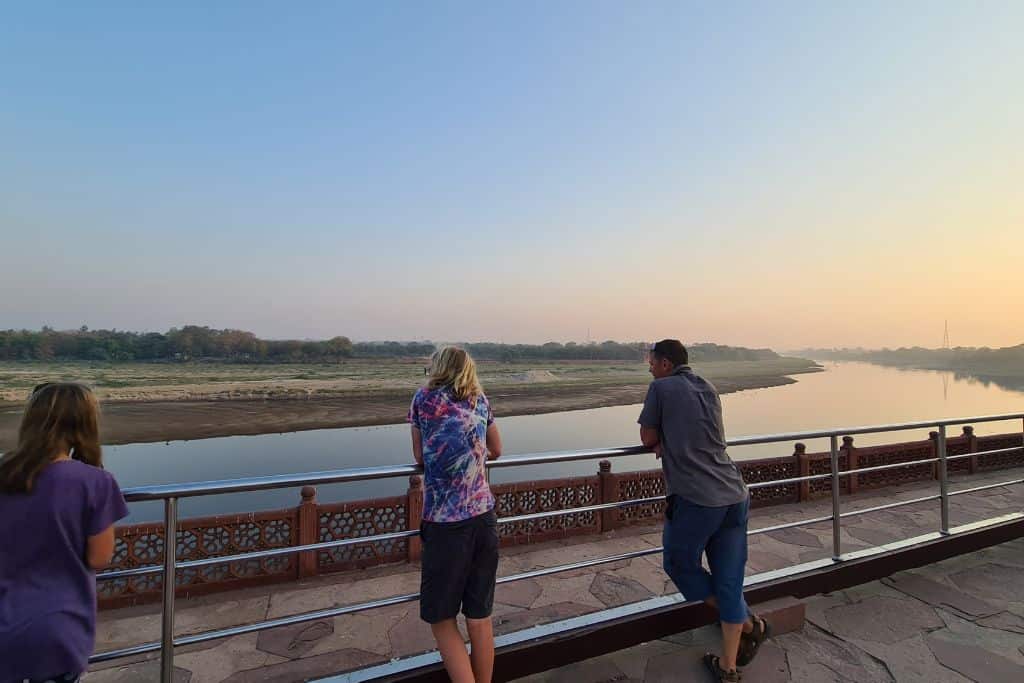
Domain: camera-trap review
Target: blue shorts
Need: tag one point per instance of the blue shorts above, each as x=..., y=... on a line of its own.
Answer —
x=692, y=530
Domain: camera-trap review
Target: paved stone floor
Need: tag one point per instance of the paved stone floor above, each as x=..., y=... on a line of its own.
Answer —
x=954, y=621
x=328, y=646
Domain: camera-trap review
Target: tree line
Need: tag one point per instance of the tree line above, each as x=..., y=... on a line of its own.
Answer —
x=1007, y=360
x=190, y=342
x=193, y=342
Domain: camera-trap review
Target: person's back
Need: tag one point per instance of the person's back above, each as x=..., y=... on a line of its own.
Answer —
x=47, y=592
x=707, y=506
x=453, y=434
x=693, y=450
x=56, y=527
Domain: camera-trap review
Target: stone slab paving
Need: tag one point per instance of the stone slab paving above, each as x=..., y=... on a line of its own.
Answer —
x=977, y=596
x=920, y=625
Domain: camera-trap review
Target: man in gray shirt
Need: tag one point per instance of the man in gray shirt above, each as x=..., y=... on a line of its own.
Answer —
x=707, y=505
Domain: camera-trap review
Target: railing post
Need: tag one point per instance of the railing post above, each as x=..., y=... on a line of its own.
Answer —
x=309, y=523
x=972, y=447
x=934, y=438
x=167, y=614
x=803, y=468
x=414, y=512
x=852, y=481
x=837, y=550
x=609, y=494
x=943, y=480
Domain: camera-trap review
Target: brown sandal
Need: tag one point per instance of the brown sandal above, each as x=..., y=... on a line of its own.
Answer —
x=751, y=642
x=718, y=673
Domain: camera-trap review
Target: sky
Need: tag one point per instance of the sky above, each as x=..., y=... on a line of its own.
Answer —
x=784, y=174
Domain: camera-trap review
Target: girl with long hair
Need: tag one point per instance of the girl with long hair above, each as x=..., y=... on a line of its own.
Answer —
x=57, y=512
x=453, y=434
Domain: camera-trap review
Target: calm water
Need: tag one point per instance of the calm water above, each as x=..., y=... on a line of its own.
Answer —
x=846, y=394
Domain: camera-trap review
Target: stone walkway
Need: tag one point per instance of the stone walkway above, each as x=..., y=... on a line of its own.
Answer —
x=955, y=621
x=342, y=643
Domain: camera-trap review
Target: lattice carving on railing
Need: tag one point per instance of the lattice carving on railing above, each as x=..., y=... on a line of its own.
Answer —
x=339, y=521
x=142, y=545
x=958, y=446
x=771, y=469
x=882, y=455
x=821, y=463
x=646, y=484
x=1000, y=460
x=527, y=497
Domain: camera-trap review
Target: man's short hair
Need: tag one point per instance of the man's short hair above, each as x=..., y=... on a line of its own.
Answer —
x=672, y=350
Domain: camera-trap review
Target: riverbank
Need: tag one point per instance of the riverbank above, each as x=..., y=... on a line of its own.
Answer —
x=144, y=413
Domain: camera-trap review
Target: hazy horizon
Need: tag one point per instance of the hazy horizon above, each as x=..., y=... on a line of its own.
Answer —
x=786, y=176
x=563, y=341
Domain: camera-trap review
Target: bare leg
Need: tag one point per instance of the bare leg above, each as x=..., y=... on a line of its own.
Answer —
x=730, y=638
x=453, y=651
x=481, y=636
x=730, y=645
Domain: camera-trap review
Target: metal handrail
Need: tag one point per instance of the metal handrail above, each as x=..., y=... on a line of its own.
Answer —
x=170, y=493
x=869, y=429
x=327, y=545
x=783, y=482
x=986, y=487
x=275, y=481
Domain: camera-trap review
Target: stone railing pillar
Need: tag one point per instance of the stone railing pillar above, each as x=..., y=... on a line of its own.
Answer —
x=972, y=447
x=609, y=493
x=414, y=512
x=309, y=532
x=803, y=468
x=850, y=450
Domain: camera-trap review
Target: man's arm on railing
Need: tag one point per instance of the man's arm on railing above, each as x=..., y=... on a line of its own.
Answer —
x=650, y=439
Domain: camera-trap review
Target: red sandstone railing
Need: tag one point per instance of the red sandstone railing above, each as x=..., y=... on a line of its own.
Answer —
x=143, y=544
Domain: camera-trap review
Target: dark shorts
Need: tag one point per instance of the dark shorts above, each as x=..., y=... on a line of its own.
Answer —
x=692, y=531
x=460, y=563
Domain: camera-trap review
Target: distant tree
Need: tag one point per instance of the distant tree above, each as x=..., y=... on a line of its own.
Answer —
x=339, y=347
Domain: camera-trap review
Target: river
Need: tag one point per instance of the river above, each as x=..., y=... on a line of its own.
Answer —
x=846, y=394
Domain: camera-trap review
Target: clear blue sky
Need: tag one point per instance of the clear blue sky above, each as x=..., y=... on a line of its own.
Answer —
x=778, y=174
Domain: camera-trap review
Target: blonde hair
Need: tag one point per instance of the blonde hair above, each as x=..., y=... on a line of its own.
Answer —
x=453, y=367
x=60, y=417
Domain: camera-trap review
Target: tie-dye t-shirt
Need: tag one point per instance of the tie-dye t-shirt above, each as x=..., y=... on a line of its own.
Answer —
x=454, y=451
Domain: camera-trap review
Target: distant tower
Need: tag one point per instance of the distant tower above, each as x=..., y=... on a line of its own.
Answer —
x=945, y=375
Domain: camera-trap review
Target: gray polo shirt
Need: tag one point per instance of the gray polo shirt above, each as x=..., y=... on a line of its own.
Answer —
x=686, y=411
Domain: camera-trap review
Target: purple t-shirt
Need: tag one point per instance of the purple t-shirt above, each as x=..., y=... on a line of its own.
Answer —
x=454, y=451
x=47, y=591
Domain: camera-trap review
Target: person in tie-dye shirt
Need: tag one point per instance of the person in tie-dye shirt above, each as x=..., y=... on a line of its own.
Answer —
x=453, y=435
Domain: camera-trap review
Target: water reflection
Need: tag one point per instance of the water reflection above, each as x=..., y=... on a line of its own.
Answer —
x=846, y=394
x=1010, y=383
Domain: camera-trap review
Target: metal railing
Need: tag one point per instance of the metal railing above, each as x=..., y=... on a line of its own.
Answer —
x=171, y=493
